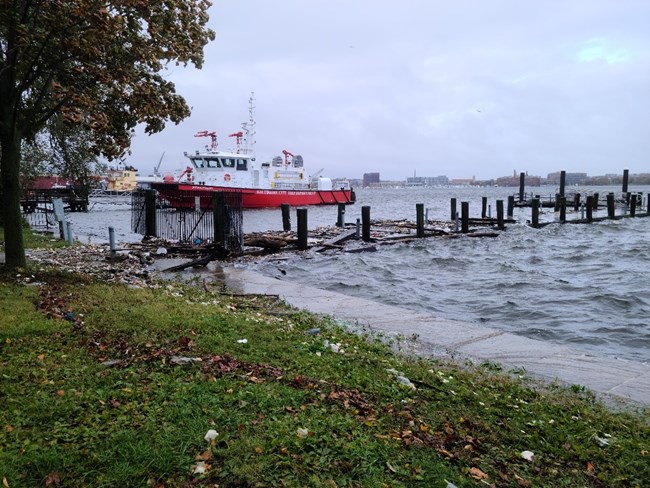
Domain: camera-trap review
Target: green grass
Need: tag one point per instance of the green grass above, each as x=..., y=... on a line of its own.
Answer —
x=34, y=240
x=68, y=420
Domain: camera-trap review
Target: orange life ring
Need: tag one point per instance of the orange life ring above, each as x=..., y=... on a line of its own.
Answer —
x=226, y=177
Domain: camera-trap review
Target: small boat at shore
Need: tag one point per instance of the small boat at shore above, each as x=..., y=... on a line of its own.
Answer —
x=269, y=184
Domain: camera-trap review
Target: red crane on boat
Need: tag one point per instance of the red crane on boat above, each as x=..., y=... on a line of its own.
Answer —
x=187, y=171
x=238, y=135
x=211, y=135
x=286, y=156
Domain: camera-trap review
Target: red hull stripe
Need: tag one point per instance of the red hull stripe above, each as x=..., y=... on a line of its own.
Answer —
x=252, y=198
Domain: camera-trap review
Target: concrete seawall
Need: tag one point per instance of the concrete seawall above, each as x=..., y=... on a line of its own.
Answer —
x=606, y=375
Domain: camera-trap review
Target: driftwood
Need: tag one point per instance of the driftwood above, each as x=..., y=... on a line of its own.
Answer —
x=362, y=249
x=217, y=252
x=270, y=243
x=335, y=242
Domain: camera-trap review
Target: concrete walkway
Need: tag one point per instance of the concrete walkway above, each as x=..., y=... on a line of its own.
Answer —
x=601, y=374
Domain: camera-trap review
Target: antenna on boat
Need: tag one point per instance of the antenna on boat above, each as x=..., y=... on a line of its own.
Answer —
x=249, y=127
x=211, y=135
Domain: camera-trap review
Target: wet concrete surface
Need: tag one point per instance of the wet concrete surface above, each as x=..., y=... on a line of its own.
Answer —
x=604, y=375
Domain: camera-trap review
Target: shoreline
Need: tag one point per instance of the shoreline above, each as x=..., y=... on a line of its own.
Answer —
x=610, y=378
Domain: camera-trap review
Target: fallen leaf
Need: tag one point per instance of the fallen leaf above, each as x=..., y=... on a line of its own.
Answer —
x=52, y=479
x=524, y=483
x=200, y=468
x=60, y=392
x=204, y=456
x=8, y=428
x=5, y=483
x=590, y=467
x=391, y=467
x=477, y=474
x=258, y=450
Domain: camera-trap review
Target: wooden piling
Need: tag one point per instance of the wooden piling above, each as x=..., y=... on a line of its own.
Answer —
x=563, y=209
x=484, y=207
x=576, y=202
x=511, y=206
x=218, y=218
x=556, y=207
x=340, y=220
x=590, y=208
x=535, y=213
x=301, y=216
x=633, y=205
x=365, y=223
x=562, y=182
x=500, y=223
x=595, y=201
x=150, y=213
x=610, y=206
x=453, y=209
x=419, y=213
x=626, y=177
x=464, y=208
x=286, y=217
x=522, y=180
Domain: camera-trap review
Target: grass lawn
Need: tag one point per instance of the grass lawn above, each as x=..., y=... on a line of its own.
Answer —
x=109, y=385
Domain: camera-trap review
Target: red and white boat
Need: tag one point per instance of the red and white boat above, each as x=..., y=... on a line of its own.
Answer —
x=269, y=184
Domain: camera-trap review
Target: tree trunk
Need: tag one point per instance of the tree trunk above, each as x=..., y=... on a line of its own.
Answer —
x=10, y=172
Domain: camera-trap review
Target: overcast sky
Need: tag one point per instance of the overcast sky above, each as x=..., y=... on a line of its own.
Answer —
x=459, y=88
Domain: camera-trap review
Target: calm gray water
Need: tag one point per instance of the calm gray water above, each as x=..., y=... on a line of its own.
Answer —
x=581, y=285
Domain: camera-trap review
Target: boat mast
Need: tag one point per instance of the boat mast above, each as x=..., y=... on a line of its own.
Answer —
x=249, y=128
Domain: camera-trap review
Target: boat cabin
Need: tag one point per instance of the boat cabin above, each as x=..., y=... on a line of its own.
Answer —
x=236, y=163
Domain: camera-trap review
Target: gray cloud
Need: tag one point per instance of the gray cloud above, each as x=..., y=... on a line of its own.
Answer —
x=458, y=88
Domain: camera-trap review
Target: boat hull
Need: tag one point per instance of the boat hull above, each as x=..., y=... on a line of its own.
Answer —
x=251, y=197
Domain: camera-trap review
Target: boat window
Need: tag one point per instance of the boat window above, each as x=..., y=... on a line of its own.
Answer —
x=228, y=162
x=242, y=164
x=197, y=162
x=212, y=162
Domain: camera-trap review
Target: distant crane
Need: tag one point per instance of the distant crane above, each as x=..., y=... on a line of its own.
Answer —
x=157, y=168
x=238, y=135
x=211, y=135
x=286, y=156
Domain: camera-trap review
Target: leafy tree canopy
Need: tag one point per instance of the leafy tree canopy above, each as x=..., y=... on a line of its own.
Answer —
x=97, y=65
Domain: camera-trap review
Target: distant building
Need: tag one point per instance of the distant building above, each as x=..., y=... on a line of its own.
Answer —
x=515, y=178
x=371, y=179
x=462, y=181
x=571, y=179
x=427, y=181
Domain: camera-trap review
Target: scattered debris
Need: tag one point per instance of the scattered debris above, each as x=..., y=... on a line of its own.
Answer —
x=401, y=379
x=184, y=360
x=527, y=455
x=211, y=435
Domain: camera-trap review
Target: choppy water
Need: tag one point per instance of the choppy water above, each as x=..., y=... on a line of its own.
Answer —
x=582, y=285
